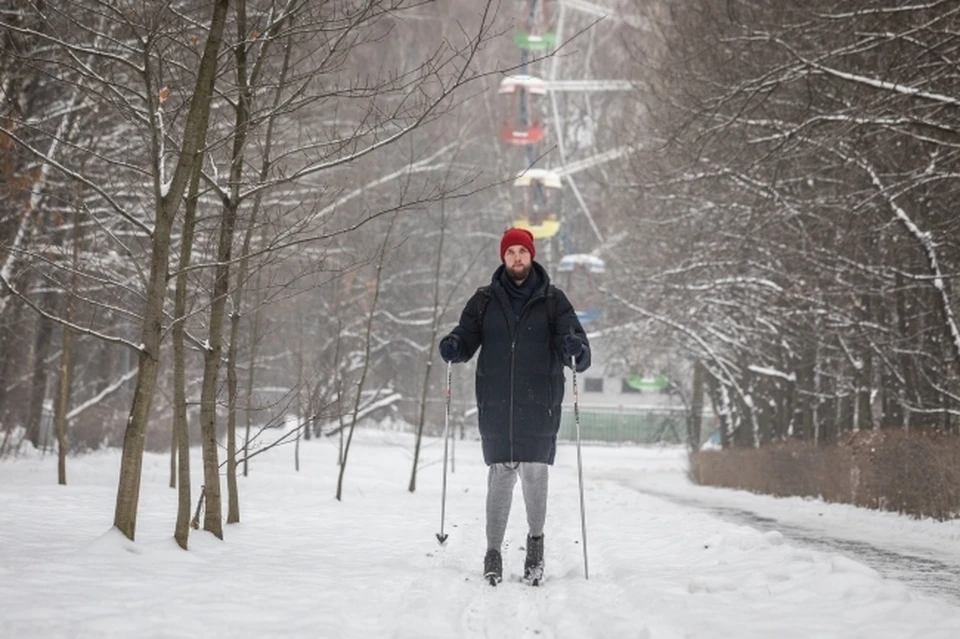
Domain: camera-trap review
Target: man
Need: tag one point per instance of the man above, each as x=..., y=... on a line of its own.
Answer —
x=528, y=330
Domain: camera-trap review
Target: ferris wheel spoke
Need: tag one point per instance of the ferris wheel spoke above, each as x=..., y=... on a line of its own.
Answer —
x=561, y=149
x=588, y=86
x=566, y=170
x=594, y=9
x=527, y=131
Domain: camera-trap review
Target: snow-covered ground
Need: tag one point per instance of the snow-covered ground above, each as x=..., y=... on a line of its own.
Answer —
x=663, y=563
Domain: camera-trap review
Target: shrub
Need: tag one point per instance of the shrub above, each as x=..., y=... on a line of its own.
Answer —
x=917, y=473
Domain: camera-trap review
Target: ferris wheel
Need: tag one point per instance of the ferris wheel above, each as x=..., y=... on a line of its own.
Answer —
x=532, y=117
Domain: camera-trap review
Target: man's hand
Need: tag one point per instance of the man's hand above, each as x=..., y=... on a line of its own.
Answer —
x=450, y=348
x=572, y=346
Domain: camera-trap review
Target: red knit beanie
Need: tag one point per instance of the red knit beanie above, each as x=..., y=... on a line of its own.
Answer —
x=514, y=236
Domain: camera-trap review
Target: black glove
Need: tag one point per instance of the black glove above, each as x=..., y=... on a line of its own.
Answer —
x=572, y=346
x=450, y=348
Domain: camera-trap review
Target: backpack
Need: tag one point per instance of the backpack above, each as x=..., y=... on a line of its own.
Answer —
x=482, y=298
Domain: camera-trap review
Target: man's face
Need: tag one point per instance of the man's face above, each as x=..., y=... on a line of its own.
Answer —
x=518, y=262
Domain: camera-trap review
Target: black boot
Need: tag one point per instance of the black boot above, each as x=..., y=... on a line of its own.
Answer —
x=493, y=567
x=533, y=564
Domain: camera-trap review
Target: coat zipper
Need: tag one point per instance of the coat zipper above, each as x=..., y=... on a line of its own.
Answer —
x=513, y=350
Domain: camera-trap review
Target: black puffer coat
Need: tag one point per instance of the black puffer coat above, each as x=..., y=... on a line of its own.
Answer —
x=519, y=371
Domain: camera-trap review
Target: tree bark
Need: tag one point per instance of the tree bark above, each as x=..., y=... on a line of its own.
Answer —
x=180, y=454
x=366, y=360
x=213, y=513
x=696, y=408
x=38, y=384
x=65, y=383
x=434, y=326
x=195, y=131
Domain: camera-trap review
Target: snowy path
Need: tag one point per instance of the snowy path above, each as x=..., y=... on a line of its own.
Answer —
x=302, y=564
x=923, y=555
x=936, y=576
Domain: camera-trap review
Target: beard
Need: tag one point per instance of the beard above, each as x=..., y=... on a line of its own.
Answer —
x=519, y=272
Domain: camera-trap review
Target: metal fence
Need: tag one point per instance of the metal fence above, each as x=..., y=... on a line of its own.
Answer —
x=622, y=425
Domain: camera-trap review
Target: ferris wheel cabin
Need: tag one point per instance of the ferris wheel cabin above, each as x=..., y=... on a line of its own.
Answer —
x=537, y=34
x=519, y=123
x=537, y=213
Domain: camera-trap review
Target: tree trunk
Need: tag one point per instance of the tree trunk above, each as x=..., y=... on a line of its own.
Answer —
x=864, y=411
x=38, y=385
x=195, y=131
x=64, y=386
x=744, y=435
x=694, y=422
x=173, y=445
x=434, y=329
x=128, y=492
x=242, y=124
x=180, y=454
x=63, y=403
x=251, y=372
x=366, y=359
x=233, y=497
x=7, y=337
x=213, y=513
x=904, y=330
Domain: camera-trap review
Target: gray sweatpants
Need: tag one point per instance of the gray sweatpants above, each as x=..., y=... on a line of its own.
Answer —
x=501, y=479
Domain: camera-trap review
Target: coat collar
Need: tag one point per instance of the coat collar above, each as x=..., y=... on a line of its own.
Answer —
x=541, y=289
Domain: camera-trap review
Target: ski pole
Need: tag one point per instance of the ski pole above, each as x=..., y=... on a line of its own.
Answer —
x=441, y=536
x=576, y=419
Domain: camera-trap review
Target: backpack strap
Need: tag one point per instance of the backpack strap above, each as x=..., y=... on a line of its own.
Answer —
x=552, y=308
x=480, y=300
